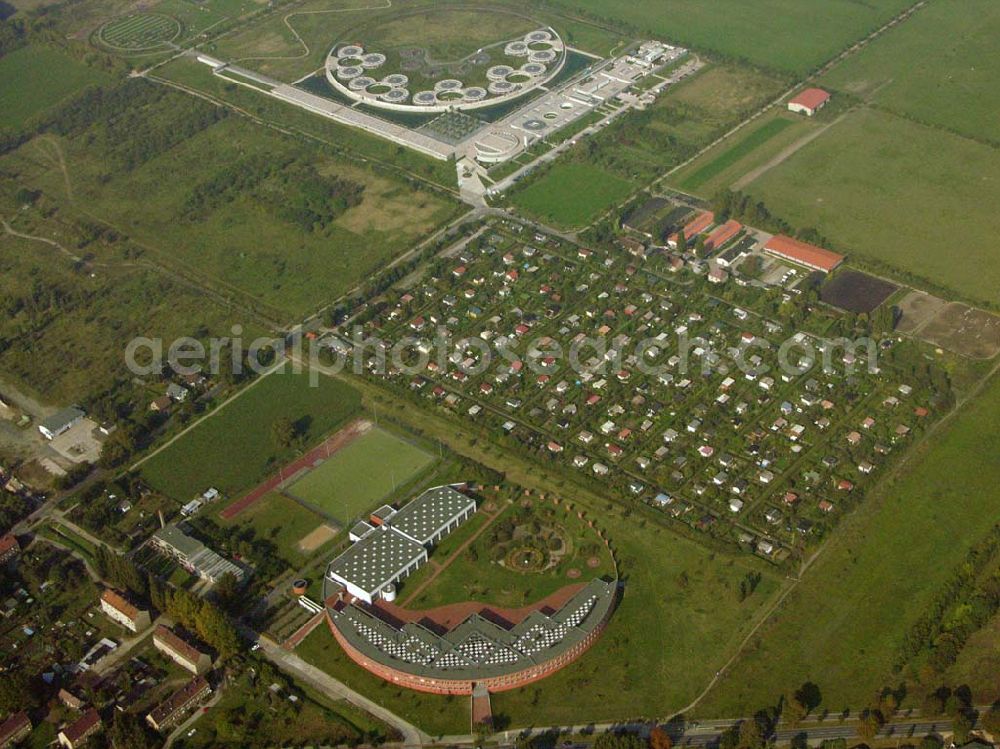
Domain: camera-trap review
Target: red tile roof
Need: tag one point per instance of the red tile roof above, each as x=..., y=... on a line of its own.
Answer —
x=812, y=98
x=7, y=542
x=14, y=725
x=116, y=601
x=83, y=726
x=723, y=234
x=176, y=644
x=695, y=226
x=803, y=252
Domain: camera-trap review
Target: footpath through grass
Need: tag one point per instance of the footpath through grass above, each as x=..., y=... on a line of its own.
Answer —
x=233, y=449
x=841, y=628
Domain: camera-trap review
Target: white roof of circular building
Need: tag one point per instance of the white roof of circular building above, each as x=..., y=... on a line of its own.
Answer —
x=349, y=72
x=396, y=80
x=543, y=55
x=425, y=98
x=516, y=49
x=350, y=50
x=361, y=83
x=395, y=95
x=474, y=93
x=502, y=87
x=541, y=35
x=373, y=60
x=533, y=68
x=499, y=72
x=448, y=84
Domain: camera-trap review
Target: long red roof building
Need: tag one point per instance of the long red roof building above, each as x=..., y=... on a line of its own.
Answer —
x=803, y=253
x=722, y=234
x=693, y=227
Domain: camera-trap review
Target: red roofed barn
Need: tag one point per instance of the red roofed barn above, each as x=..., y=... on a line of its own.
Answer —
x=803, y=253
x=809, y=102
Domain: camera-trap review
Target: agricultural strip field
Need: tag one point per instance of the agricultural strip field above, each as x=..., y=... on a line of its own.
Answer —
x=785, y=36
x=940, y=68
x=243, y=241
x=233, y=448
x=734, y=157
x=571, y=194
x=899, y=194
x=283, y=522
x=643, y=145
x=359, y=476
x=37, y=77
x=842, y=626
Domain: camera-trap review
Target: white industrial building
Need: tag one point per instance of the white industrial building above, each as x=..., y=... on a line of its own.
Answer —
x=394, y=544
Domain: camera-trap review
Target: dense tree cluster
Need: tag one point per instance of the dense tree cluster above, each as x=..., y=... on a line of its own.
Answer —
x=199, y=615
x=291, y=187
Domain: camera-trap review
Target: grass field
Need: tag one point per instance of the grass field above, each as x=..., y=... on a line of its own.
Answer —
x=233, y=449
x=356, y=478
x=747, y=150
x=476, y=577
x=899, y=193
x=780, y=34
x=842, y=626
x=240, y=245
x=37, y=77
x=140, y=31
x=99, y=312
x=643, y=145
x=282, y=521
x=940, y=67
x=571, y=194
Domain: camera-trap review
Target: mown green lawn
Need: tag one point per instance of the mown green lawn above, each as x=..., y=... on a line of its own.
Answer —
x=282, y=521
x=37, y=77
x=357, y=478
x=571, y=194
x=843, y=624
x=233, y=449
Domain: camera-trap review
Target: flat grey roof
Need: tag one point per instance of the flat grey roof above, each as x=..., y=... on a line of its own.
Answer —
x=179, y=541
x=60, y=419
x=376, y=559
x=430, y=512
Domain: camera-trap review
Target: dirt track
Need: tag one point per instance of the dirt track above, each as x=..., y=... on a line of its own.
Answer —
x=336, y=442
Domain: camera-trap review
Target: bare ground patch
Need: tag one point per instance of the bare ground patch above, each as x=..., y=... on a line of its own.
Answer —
x=953, y=326
x=312, y=541
x=918, y=309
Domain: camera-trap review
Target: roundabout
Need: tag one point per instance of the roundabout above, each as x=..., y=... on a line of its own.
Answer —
x=377, y=68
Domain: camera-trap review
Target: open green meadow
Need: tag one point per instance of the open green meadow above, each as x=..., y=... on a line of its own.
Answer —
x=886, y=189
x=233, y=448
x=780, y=34
x=36, y=78
x=842, y=626
x=747, y=150
x=571, y=194
x=241, y=242
x=940, y=67
x=280, y=520
x=363, y=474
x=100, y=311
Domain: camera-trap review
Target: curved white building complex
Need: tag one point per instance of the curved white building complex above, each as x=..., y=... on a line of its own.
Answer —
x=531, y=61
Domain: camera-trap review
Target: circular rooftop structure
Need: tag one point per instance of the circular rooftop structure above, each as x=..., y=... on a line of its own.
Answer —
x=496, y=73
x=360, y=83
x=373, y=60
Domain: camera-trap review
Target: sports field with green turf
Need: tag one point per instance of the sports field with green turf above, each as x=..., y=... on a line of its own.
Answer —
x=37, y=77
x=233, y=448
x=359, y=476
x=282, y=521
x=889, y=190
x=842, y=626
x=571, y=194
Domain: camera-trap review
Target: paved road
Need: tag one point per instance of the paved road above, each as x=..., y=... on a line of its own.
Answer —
x=288, y=661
